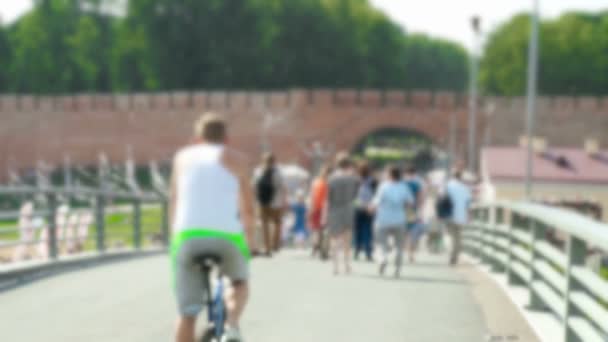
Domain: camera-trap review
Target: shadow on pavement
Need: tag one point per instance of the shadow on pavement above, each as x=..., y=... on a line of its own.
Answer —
x=408, y=278
x=443, y=264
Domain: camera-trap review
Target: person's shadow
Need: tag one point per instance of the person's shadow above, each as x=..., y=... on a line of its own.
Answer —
x=410, y=279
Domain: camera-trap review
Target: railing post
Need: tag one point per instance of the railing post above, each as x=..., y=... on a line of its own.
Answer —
x=52, y=236
x=538, y=231
x=100, y=221
x=481, y=228
x=474, y=233
x=479, y=235
x=508, y=269
x=137, y=223
x=468, y=232
x=492, y=223
x=165, y=221
x=516, y=222
x=486, y=235
x=577, y=251
x=499, y=220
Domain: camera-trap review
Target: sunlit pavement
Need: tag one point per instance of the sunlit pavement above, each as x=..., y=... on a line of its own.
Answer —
x=294, y=298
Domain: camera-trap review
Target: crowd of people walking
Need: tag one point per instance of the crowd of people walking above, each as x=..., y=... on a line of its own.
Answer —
x=352, y=210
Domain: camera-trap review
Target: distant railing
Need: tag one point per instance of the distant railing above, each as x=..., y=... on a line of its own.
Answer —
x=126, y=220
x=513, y=238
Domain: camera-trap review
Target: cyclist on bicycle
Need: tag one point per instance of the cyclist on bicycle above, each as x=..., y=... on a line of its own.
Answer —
x=211, y=209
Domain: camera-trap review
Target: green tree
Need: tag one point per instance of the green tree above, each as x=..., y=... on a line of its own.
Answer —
x=202, y=44
x=387, y=55
x=83, y=51
x=573, y=50
x=35, y=66
x=61, y=46
x=5, y=59
x=78, y=45
x=435, y=64
x=130, y=61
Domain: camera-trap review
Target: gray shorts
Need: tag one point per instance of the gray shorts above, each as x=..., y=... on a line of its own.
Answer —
x=340, y=220
x=189, y=287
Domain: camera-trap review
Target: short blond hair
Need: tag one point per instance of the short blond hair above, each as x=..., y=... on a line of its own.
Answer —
x=211, y=127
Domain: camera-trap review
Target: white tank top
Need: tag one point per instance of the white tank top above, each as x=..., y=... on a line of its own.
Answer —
x=207, y=192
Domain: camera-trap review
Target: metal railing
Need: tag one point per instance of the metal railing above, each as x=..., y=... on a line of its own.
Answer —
x=130, y=216
x=544, y=249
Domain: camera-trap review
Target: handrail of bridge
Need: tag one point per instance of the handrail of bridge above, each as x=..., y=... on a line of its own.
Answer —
x=512, y=238
x=100, y=209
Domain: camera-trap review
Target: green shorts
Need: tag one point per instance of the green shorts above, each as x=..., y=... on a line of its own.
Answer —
x=187, y=280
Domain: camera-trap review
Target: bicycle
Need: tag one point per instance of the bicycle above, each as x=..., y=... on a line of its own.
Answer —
x=216, y=307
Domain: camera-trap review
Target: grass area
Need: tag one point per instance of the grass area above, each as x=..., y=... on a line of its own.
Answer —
x=9, y=235
x=7, y=224
x=118, y=228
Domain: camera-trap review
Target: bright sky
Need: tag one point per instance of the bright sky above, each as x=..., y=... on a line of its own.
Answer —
x=451, y=19
x=442, y=18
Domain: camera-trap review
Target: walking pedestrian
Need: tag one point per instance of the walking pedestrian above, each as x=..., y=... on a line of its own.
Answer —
x=390, y=204
x=430, y=220
x=415, y=227
x=318, y=209
x=299, y=227
x=271, y=198
x=342, y=192
x=460, y=198
x=363, y=217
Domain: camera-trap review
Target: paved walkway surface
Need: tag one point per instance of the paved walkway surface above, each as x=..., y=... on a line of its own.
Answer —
x=294, y=298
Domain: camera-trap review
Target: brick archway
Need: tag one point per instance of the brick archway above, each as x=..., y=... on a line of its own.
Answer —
x=348, y=137
x=344, y=126
x=392, y=132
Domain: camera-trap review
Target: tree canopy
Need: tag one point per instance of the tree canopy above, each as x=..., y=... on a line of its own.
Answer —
x=573, y=56
x=78, y=46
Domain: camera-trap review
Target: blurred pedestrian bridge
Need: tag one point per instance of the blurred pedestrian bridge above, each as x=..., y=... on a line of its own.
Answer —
x=528, y=275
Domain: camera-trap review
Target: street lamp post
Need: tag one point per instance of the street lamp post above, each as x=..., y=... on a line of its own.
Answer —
x=490, y=109
x=531, y=95
x=451, y=146
x=476, y=24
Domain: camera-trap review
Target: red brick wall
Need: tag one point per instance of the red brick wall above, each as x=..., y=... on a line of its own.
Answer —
x=48, y=128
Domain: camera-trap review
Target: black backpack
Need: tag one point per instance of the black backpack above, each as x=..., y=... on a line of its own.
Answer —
x=444, y=207
x=265, y=188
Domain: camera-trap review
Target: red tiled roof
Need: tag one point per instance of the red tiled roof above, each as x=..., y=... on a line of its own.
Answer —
x=556, y=164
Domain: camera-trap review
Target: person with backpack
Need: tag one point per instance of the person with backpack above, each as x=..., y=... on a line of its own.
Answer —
x=270, y=195
x=415, y=226
x=443, y=212
x=363, y=217
x=390, y=206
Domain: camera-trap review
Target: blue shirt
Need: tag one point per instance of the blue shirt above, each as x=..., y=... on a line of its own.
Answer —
x=390, y=202
x=415, y=186
x=460, y=195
